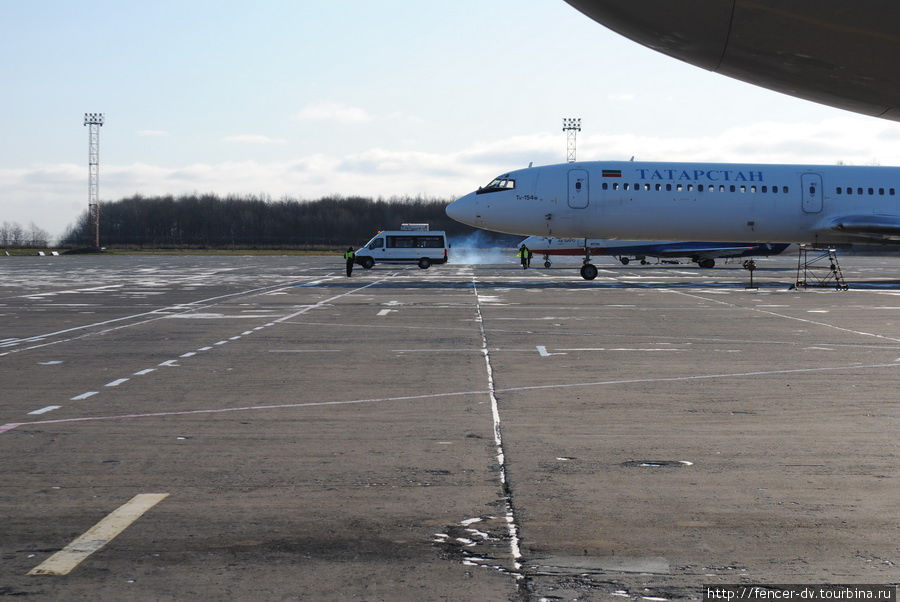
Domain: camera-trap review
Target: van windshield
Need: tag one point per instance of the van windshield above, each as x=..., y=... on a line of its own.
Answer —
x=377, y=242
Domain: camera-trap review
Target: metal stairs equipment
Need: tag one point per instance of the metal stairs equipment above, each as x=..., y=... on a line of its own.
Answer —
x=812, y=270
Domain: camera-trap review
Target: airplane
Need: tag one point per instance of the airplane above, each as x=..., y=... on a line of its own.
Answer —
x=833, y=52
x=704, y=254
x=803, y=204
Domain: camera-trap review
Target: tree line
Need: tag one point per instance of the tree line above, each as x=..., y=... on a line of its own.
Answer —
x=210, y=221
x=12, y=234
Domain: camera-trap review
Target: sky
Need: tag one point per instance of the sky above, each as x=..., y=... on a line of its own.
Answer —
x=308, y=98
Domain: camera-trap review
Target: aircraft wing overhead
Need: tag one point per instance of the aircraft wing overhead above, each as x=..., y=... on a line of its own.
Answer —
x=873, y=227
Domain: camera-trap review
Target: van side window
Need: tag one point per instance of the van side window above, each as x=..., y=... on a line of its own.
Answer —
x=378, y=243
x=429, y=242
x=400, y=242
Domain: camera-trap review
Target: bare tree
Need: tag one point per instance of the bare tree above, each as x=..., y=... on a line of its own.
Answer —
x=16, y=235
x=38, y=236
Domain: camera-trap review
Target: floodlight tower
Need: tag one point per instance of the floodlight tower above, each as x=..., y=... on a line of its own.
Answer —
x=94, y=121
x=571, y=125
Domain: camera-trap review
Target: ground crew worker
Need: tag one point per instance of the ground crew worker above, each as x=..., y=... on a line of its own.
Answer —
x=350, y=257
x=525, y=255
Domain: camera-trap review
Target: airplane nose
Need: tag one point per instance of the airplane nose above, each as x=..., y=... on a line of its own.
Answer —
x=464, y=210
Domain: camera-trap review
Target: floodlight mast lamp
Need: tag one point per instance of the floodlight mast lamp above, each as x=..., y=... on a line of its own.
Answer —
x=94, y=121
x=571, y=125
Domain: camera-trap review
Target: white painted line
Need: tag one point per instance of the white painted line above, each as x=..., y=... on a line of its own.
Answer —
x=246, y=332
x=83, y=396
x=117, y=382
x=511, y=523
x=188, y=354
x=385, y=312
x=145, y=371
x=98, y=536
x=234, y=338
x=169, y=363
x=220, y=343
x=50, y=363
x=44, y=410
x=543, y=351
x=204, y=349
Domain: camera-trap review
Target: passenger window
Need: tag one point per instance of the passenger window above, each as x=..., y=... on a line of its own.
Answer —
x=679, y=187
x=784, y=189
x=605, y=186
x=615, y=185
x=731, y=188
x=668, y=187
x=881, y=191
x=699, y=187
x=753, y=189
x=690, y=187
x=859, y=191
x=626, y=185
x=721, y=187
x=637, y=186
x=764, y=189
x=647, y=187
x=871, y=191
x=891, y=191
x=838, y=190
x=774, y=189
x=743, y=189
x=658, y=187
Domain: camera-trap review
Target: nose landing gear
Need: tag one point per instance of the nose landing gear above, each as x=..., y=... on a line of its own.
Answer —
x=588, y=269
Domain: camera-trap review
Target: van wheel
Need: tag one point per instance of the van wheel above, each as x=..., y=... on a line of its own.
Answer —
x=367, y=263
x=424, y=263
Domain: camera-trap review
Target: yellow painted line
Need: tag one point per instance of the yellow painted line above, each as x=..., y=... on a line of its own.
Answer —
x=98, y=536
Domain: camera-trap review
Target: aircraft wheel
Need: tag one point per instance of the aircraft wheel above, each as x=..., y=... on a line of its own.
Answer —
x=367, y=263
x=624, y=260
x=547, y=264
x=643, y=262
x=706, y=263
x=424, y=263
x=588, y=271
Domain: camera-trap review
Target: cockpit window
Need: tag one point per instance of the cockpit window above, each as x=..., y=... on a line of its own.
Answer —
x=498, y=184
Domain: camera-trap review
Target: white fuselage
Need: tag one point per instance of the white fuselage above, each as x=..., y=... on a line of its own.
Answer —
x=812, y=204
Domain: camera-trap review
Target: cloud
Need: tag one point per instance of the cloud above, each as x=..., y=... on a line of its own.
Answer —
x=332, y=111
x=152, y=133
x=253, y=139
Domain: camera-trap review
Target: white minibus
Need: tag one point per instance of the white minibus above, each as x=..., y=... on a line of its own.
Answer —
x=423, y=247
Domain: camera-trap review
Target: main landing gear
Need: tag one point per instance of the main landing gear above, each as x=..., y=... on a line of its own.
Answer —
x=588, y=269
